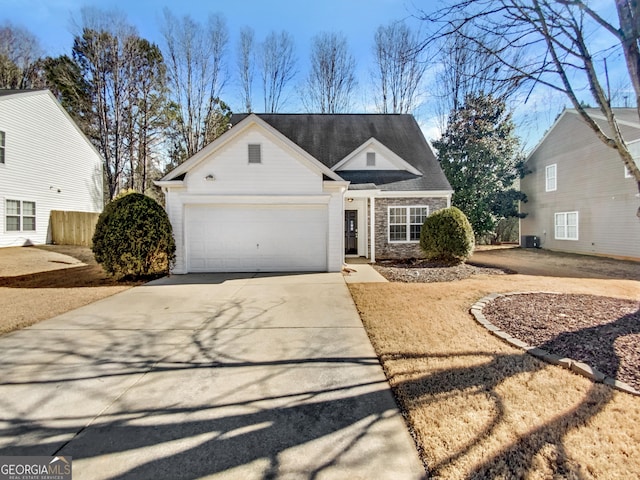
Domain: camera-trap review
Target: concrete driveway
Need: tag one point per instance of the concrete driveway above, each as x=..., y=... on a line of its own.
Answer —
x=207, y=376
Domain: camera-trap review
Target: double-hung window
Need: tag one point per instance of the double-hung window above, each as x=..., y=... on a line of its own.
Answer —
x=20, y=216
x=566, y=226
x=551, y=178
x=405, y=223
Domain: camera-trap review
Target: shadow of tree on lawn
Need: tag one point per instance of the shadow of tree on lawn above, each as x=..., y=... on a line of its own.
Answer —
x=516, y=459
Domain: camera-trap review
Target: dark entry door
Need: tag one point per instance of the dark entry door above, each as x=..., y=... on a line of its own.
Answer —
x=351, y=232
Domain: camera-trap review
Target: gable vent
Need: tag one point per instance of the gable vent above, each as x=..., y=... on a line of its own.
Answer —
x=255, y=155
x=371, y=159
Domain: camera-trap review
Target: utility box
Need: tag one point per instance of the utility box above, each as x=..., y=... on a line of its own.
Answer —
x=530, y=241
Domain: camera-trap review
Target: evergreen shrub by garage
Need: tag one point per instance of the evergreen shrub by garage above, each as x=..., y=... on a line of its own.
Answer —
x=133, y=238
x=447, y=236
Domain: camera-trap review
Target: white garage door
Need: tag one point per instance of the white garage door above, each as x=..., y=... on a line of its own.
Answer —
x=222, y=238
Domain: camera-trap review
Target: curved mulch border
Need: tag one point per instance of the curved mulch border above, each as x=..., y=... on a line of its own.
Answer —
x=568, y=363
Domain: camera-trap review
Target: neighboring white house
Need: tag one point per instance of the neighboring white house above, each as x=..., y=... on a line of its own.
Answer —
x=46, y=163
x=581, y=198
x=298, y=192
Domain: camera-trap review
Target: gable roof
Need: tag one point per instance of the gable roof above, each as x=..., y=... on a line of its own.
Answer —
x=624, y=116
x=178, y=173
x=332, y=137
x=9, y=95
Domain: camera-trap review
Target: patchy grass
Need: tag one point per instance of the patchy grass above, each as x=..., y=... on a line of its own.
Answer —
x=479, y=408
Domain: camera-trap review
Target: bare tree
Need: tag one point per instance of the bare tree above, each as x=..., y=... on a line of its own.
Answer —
x=246, y=65
x=399, y=68
x=557, y=38
x=194, y=54
x=331, y=81
x=278, y=68
x=20, y=53
x=114, y=86
x=465, y=70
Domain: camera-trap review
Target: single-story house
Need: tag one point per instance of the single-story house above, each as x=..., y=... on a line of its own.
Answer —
x=581, y=197
x=298, y=192
x=46, y=163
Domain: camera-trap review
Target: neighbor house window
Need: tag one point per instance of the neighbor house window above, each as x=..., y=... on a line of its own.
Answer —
x=405, y=223
x=371, y=159
x=566, y=226
x=551, y=183
x=255, y=155
x=20, y=216
x=2, y=144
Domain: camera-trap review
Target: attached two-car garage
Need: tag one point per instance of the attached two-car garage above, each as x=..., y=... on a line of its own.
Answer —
x=255, y=238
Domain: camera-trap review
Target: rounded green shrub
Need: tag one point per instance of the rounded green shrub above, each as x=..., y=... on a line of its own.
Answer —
x=133, y=238
x=447, y=235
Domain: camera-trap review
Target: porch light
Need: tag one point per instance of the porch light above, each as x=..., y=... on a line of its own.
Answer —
x=349, y=200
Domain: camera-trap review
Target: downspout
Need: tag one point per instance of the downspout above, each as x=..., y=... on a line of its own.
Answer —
x=372, y=228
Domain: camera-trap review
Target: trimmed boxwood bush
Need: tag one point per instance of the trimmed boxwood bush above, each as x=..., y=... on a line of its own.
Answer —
x=133, y=238
x=447, y=236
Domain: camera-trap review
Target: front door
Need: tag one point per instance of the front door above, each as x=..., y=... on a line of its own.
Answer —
x=351, y=232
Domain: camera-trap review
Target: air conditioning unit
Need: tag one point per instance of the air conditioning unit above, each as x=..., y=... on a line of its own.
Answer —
x=530, y=241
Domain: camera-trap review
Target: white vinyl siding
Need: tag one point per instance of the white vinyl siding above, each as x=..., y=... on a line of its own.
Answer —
x=566, y=226
x=49, y=165
x=551, y=178
x=405, y=223
x=3, y=136
x=20, y=216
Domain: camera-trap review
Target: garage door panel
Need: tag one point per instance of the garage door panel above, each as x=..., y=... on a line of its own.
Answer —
x=256, y=238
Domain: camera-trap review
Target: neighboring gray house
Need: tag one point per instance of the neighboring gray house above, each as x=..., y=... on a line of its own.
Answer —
x=581, y=198
x=46, y=163
x=282, y=192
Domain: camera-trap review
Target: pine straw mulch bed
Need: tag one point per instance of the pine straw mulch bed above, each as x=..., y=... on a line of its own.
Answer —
x=603, y=332
x=424, y=271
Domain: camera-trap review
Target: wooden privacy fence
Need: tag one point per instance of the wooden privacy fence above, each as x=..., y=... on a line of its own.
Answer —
x=73, y=228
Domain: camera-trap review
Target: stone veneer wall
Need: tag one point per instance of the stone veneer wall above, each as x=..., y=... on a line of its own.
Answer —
x=384, y=249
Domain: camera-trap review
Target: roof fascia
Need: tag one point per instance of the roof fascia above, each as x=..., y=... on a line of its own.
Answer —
x=393, y=157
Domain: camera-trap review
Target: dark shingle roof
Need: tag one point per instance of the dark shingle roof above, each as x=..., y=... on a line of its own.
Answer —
x=331, y=138
x=8, y=91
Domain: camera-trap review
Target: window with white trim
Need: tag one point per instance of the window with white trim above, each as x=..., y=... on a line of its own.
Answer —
x=20, y=216
x=3, y=136
x=405, y=223
x=255, y=154
x=371, y=159
x=566, y=226
x=551, y=178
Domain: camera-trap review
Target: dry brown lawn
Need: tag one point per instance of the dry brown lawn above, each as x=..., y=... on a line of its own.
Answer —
x=37, y=283
x=479, y=408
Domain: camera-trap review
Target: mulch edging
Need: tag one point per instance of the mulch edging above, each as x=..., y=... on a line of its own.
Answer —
x=568, y=363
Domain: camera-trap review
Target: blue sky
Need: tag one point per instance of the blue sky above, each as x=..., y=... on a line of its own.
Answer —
x=52, y=22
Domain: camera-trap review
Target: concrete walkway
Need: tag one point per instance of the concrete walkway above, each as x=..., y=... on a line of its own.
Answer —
x=357, y=271
x=207, y=376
